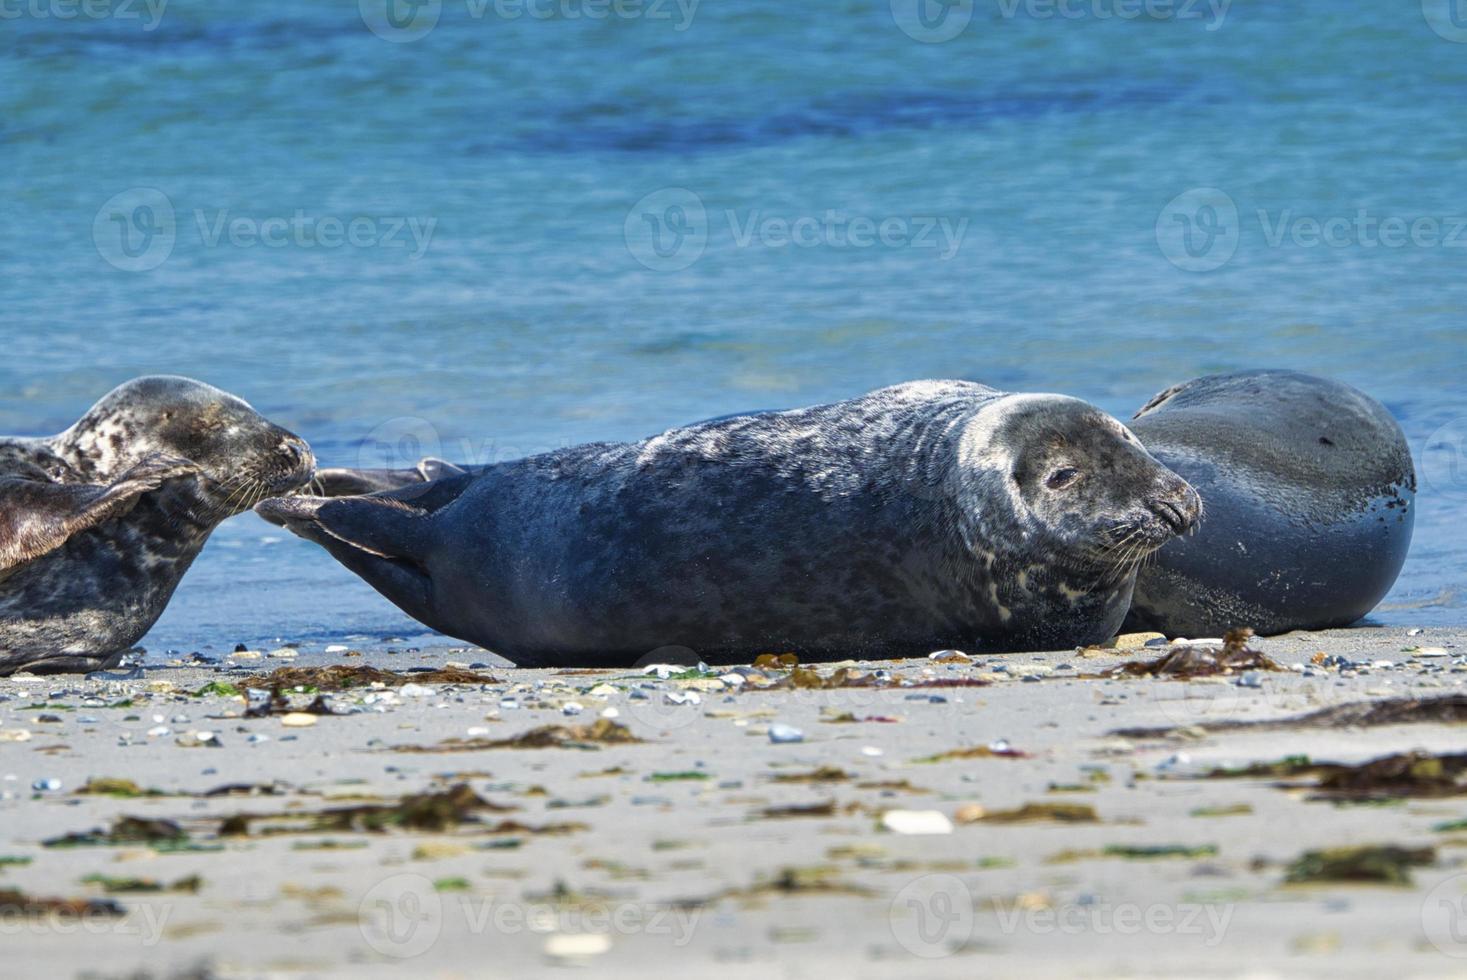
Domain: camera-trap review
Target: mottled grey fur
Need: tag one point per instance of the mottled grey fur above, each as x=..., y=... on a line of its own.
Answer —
x=99, y=524
x=912, y=518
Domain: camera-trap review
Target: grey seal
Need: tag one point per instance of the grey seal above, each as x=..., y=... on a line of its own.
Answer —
x=1310, y=493
x=99, y=524
x=926, y=515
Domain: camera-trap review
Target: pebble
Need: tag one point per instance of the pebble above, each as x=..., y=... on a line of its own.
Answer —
x=46, y=785
x=1251, y=679
x=916, y=822
x=610, y=713
x=782, y=734
x=680, y=697
x=297, y=719
x=15, y=735
x=970, y=813
x=575, y=945
x=284, y=653
x=1134, y=641
x=571, y=708
x=415, y=691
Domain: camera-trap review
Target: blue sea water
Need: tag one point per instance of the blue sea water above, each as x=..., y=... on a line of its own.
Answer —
x=480, y=229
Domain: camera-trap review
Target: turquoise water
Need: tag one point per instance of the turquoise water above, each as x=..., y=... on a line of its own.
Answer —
x=509, y=233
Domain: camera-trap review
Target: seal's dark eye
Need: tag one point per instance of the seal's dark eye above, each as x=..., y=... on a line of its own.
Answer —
x=1061, y=478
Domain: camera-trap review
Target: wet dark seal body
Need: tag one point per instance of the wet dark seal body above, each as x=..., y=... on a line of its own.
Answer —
x=99, y=523
x=1309, y=492
x=921, y=516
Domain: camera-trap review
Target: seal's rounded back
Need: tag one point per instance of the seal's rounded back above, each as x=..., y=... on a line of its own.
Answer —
x=1308, y=493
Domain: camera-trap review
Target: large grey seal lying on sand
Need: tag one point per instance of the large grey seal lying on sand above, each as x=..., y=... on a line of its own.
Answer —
x=925, y=515
x=1310, y=493
x=99, y=523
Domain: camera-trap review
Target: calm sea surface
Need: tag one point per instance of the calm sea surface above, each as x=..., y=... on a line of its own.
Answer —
x=480, y=230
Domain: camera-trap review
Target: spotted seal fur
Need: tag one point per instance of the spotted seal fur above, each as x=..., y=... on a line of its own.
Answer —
x=99, y=524
x=926, y=515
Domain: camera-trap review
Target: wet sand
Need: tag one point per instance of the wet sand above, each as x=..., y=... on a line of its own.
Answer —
x=710, y=848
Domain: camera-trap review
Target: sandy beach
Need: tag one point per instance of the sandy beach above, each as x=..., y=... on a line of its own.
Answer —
x=1004, y=815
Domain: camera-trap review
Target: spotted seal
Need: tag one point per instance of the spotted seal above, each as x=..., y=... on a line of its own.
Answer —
x=926, y=515
x=99, y=524
x=1310, y=493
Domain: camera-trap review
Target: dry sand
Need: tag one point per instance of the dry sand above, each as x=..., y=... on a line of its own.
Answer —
x=673, y=856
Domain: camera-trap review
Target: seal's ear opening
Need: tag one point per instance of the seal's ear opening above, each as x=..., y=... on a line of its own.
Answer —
x=378, y=538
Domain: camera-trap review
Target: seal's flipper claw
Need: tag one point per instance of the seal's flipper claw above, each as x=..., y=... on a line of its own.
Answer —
x=431, y=468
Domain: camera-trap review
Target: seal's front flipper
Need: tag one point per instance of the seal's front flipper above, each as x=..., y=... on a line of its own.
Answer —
x=378, y=538
x=38, y=516
x=342, y=482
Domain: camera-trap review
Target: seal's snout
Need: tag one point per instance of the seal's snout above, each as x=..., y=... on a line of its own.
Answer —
x=297, y=455
x=1178, y=507
x=296, y=463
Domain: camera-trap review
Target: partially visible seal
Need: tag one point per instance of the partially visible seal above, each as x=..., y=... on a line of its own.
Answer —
x=98, y=524
x=926, y=515
x=1309, y=492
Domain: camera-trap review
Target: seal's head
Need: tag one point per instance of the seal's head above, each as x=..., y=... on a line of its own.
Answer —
x=242, y=457
x=1081, y=487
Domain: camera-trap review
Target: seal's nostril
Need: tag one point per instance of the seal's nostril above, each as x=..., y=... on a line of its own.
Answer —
x=296, y=452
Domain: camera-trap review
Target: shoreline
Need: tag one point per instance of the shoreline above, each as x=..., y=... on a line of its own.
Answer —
x=710, y=839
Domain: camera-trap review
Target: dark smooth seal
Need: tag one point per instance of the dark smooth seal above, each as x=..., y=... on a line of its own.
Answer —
x=1309, y=495
x=926, y=515
x=99, y=524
